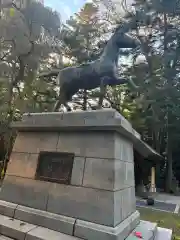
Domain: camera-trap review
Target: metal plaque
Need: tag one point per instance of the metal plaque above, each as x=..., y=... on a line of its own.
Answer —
x=55, y=167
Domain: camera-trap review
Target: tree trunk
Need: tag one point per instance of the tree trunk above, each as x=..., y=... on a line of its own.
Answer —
x=169, y=171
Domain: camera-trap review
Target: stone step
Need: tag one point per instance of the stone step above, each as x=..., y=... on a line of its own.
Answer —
x=5, y=238
x=19, y=222
x=41, y=218
x=66, y=225
x=147, y=229
x=163, y=234
x=21, y=230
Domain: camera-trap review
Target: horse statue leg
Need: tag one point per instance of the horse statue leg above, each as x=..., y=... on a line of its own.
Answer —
x=112, y=82
x=57, y=105
x=61, y=101
x=84, y=100
x=103, y=87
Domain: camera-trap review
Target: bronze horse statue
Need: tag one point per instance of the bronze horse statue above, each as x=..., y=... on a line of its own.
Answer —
x=99, y=73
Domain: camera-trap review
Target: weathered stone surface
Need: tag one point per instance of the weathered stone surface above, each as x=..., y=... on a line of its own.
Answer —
x=77, y=202
x=99, y=173
x=129, y=176
x=103, y=120
x=22, y=165
x=84, y=203
x=106, y=118
x=24, y=191
x=40, y=233
x=163, y=234
x=7, y=208
x=77, y=171
x=147, y=229
x=123, y=121
x=5, y=238
x=92, y=231
x=120, y=173
x=72, y=142
x=124, y=204
x=14, y=228
x=100, y=145
x=123, y=148
x=128, y=202
x=124, y=175
x=85, y=144
x=108, y=174
x=34, y=142
x=45, y=219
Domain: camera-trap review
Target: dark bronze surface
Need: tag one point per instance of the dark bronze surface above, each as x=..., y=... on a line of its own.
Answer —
x=102, y=72
x=55, y=167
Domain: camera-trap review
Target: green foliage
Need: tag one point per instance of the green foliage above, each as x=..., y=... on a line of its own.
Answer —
x=31, y=41
x=81, y=35
x=26, y=37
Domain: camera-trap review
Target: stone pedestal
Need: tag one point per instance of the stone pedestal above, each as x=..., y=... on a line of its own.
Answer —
x=99, y=202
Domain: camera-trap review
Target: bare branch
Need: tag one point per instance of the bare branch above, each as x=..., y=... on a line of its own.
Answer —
x=4, y=56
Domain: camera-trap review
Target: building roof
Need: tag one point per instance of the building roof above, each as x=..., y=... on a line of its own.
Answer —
x=146, y=151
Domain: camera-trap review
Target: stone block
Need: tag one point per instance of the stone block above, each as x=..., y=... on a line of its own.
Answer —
x=133, y=197
x=5, y=238
x=22, y=165
x=124, y=175
x=118, y=207
x=124, y=204
x=163, y=234
x=41, y=233
x=128, y=201
x=45, y=219
x=34, y=142
x=123, y=121
x=77, y=171
x=24, y=191
x=129, y=174
x=92, y=231
x=99, y=117
x=85, y=144
x=89, y=204
x=108, y=174
x=119, y=177
x=72, y=142
x=7, y=208
x=105, y=118
x=14, y=228
x=147, y=229
x=123, y=148
x=99, y=173
x=100, y=145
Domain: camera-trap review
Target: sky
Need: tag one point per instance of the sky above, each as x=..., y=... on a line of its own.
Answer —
x=65, y=7
x=68, y=7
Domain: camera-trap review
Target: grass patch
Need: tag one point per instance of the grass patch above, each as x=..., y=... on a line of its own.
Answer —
x=163, y=219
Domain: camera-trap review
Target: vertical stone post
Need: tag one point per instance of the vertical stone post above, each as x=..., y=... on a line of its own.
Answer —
x=153, y=179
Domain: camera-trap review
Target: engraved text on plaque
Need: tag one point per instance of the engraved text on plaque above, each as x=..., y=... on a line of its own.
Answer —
x=55, y=167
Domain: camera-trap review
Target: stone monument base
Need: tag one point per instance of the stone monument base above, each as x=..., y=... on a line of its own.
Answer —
x=20, y=222
x=73, y=174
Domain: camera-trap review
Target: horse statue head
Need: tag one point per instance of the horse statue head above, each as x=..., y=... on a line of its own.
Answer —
x=124, y=40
